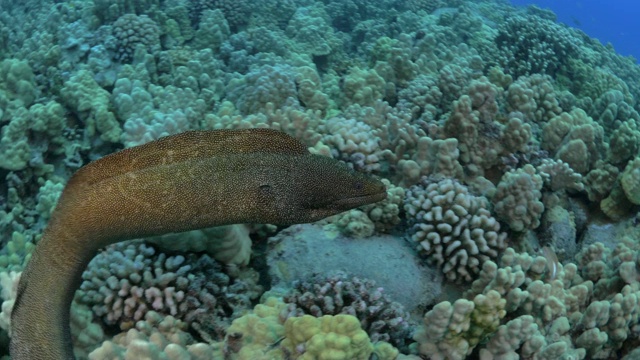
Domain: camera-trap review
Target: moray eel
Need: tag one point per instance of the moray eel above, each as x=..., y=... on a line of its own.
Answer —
x=183, y=182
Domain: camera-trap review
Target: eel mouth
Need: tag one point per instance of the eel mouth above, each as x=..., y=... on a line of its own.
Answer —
x=356, y=201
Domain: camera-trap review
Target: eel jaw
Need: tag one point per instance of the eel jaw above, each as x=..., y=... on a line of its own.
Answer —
x=355, y=201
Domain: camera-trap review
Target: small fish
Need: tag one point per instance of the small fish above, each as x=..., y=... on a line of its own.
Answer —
x=576, y=22
x=552, y=262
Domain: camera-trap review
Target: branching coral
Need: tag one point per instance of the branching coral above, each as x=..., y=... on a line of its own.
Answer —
x=481, y=139
x=236, y=12
x=592, y=299
x=535, y=97
x=431, y=157
x=453, y=227
x=451, y=331
x=386, y=214
x=82, y=94
x=353, y=143
x=156, y=337
x=381, y=318
x=517, y=199
x=127, y=281
x=558, y=176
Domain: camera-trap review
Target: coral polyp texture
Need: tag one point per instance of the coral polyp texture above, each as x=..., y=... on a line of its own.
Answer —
x=453, y=228
x=508, y=143
x=132, y=31
x=382, y=319
x=125, y=282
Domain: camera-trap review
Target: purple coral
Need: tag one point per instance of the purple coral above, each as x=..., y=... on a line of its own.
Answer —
x=128, y=280
x=382, y=319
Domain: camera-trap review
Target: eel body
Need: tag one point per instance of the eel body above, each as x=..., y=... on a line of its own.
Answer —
x=183, y=182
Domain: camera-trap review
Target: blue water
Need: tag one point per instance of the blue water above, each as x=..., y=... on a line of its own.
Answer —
x=614, y=22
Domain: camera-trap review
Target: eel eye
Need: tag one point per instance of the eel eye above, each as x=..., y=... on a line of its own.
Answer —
x=358, y=185
x=265, y=188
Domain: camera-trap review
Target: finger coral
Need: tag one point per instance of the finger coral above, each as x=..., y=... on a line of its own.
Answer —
x=126, y=282
x=381, y=318
x=453, y=227
x=517, y=199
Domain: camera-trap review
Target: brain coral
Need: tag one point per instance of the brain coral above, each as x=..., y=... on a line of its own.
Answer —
x=453, y=227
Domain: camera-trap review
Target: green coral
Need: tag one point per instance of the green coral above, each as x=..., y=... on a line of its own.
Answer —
x=17, y=82
x=82, y=94
x=18, y=150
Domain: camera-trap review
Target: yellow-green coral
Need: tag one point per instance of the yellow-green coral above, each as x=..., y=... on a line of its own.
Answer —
x=251, y=336
x=338, y=337
x=264, y=335
x=355, y=223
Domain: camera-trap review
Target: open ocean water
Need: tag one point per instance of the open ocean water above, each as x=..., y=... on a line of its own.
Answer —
x=614, y=22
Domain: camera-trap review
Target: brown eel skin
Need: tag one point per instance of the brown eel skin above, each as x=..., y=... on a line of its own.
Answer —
x=183, y=182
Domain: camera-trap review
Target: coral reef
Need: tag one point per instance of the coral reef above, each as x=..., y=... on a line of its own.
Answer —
x=453, y=228
x=132, y=31
x=126, y=282
x=509, y=144
x=380, y=318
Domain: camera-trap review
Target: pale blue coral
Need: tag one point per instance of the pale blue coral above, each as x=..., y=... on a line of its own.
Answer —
x=263, y=85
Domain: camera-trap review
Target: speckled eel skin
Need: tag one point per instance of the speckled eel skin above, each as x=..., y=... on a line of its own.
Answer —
x=187, y=181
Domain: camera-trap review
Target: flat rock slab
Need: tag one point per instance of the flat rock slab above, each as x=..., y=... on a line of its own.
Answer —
x=301, y=251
